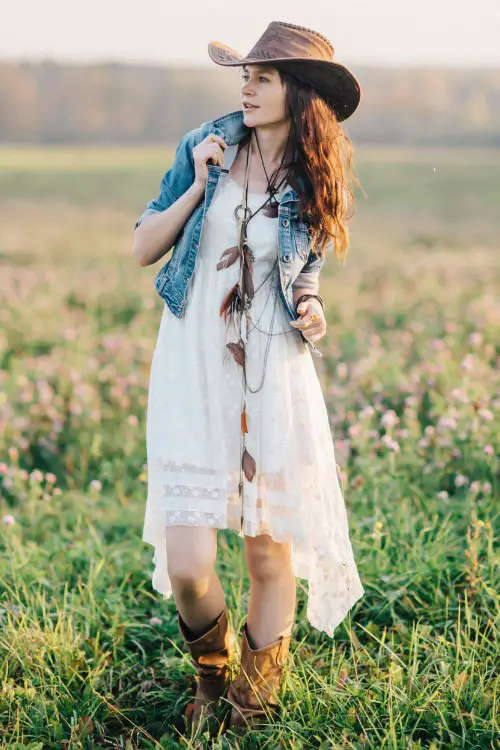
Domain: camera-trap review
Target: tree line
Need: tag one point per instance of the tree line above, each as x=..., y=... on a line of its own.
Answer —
x=120, y=103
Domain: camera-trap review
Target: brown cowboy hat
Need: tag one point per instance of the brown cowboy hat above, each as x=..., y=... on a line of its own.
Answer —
x=306, y=54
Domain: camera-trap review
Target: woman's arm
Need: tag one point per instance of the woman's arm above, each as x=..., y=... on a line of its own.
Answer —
x=158, y=231
x=181, y=189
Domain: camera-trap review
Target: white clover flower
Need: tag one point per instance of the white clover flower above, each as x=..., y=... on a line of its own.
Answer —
x=389, y=418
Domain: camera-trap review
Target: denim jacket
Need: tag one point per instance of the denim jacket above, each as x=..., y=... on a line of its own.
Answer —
x=299, y=266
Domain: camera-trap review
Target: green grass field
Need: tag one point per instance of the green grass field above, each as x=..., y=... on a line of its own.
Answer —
x=90, y=655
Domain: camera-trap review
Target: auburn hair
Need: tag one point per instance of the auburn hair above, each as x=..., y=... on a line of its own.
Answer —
x=324, y=171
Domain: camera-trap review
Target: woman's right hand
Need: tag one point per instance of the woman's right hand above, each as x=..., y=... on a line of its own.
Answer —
x=209, y=148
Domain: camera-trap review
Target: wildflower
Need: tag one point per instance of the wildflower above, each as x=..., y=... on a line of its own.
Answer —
x=459, y=395
x=354, y=430
x=411, y=401
x=155, y=621
x=447, y=423
x=132, y=420
x=391, y=444
x=489, y=450
x=461, y=480
x=437, y=344
x=36, y=475
x=487, y=488
x=475, y=487
x=442, y=495
x=389, y=418
x=3, y=468
x=485, y=414
x=95, y=484
x=50, y=478
x=467, y=363
x=9, y=520
x=430, y=430
x=378, y=525
x=475, y=338
x=367, y=411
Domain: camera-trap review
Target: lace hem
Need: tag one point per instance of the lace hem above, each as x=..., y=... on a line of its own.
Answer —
x=333, y=587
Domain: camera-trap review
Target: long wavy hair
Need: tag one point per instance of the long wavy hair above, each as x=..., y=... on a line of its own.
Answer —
x=323, y=174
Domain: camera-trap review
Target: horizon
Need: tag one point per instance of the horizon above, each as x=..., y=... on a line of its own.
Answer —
x=185, y=65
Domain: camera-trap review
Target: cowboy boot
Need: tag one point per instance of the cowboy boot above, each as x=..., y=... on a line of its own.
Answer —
x=210, y=655
x=254, y=693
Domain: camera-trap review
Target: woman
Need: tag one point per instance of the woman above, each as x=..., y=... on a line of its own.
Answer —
x=238, y=433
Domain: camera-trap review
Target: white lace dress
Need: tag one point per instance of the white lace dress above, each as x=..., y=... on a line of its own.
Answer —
x=194, y=427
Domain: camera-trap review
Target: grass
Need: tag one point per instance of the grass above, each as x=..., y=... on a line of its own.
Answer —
x=90, y=656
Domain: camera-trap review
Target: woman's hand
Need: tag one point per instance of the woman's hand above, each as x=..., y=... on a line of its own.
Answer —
x=312, y=322
x=209, y=148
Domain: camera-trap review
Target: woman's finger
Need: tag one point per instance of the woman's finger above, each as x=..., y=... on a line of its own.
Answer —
x=306, y=321
x=215, y=154
x=216, y=138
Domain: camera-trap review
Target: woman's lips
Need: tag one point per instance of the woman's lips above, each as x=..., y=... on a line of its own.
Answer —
x=249, y=107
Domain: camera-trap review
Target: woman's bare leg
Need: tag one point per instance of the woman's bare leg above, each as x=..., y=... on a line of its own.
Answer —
x=197, y=590
x=271, y=607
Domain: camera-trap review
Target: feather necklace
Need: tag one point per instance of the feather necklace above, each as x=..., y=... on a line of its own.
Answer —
x=236, y=304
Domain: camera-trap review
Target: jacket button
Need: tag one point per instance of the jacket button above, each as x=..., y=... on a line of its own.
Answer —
x=286, y=256
x=285, y=222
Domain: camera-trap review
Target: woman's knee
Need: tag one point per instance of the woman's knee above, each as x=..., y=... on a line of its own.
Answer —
x=191, y=557
x=267, y=559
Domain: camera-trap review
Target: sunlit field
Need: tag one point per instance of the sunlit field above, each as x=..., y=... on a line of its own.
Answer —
x=90, y=655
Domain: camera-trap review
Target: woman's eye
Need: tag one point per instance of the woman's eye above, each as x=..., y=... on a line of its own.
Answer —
x=261, y=78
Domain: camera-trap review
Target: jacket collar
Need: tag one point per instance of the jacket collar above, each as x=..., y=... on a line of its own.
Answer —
x=232, y=128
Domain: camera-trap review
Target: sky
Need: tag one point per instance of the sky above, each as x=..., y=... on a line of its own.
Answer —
x=172, y=32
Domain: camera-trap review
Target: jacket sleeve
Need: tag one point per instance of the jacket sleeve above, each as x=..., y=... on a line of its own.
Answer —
x=308, y=278
x=178, y=178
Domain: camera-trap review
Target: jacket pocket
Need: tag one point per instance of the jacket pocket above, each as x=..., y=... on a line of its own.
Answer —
x=300, y=239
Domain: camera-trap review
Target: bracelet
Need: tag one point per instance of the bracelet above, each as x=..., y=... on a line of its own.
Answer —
x=304, y=297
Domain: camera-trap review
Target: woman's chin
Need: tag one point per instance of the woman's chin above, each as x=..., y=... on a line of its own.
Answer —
x=250, y=117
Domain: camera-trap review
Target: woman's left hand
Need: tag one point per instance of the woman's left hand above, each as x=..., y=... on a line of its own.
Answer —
x=312, y=322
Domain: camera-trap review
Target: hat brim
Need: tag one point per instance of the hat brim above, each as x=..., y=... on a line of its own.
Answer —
x=333, y=81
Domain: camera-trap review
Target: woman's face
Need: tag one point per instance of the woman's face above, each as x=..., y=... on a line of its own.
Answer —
x=261, y=86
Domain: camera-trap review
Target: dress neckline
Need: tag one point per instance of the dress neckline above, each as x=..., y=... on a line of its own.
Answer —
x=251, y=192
